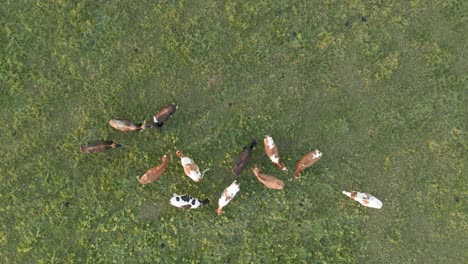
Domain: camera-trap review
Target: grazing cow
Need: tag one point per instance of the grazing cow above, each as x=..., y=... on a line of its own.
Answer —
x=126, y=125
x=308, y=160
x=244, y=158
x=364, y=199
x=190, y=168
x=267, y=180
x=187, y=202
x=99, y=146
x=227, y=196
x=271, y=150
x=163, y=115
x=154, y=173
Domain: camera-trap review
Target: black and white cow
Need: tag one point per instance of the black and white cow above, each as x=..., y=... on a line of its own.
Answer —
x=186, y=201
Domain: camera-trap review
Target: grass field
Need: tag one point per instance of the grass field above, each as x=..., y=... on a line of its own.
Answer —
x=380, y=87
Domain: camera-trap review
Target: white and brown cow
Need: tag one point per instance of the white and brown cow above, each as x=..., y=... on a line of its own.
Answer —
x=227, y=196
x=271, y=150
x=364, y=199
x=190, y=168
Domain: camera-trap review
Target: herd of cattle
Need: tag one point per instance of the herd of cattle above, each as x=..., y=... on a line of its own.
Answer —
x=191, y=169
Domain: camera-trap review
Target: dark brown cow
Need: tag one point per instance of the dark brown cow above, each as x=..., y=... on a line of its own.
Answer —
x=163, y=115
x=243, y=158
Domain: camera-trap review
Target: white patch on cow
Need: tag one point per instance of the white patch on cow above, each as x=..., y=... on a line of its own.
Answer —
x=155, y=120
x=270, y=142
x=317, y=154
x=176, y=203
x=274, y=158
x=195, y=175
x=185, y=161
x=233, y=188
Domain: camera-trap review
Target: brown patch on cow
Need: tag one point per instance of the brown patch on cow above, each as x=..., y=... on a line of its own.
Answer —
x=219, y=211
x=179, y=154
x=225, y=194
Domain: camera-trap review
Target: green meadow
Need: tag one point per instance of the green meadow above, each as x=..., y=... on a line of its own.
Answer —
x=380, y=87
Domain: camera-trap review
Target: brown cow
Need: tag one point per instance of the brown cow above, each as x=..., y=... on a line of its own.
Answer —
x=99, y=146
x=308, y=160
x=154, y=173
x=243, y=158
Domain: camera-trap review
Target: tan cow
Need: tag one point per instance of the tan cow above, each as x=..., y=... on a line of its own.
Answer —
x=267, y=180
x=126, y=125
